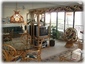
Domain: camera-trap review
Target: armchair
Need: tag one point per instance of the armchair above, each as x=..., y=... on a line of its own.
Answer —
x=9, y=53
x=34, y=55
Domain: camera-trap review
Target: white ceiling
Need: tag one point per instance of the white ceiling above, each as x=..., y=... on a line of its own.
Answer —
x=34, y=5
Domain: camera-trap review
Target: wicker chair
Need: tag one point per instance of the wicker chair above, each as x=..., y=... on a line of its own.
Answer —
x=9, y=53
x=34, y=55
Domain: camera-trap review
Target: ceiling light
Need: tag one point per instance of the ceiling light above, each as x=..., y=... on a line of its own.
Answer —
x=16, y=17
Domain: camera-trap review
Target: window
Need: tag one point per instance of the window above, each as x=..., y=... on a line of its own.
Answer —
x=61, y=21
x=69, y=20
x=78, y=23
x=42, y=17
x=53, y=19
x=47, y=18
x=35, y=17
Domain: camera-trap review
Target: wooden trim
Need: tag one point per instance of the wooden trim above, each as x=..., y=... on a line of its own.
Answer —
x=54, y=9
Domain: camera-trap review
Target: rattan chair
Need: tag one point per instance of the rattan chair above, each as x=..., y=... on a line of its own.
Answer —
x=34, y=55
x=9, y=53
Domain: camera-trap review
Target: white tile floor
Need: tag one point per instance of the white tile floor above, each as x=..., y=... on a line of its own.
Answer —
x=58, y=48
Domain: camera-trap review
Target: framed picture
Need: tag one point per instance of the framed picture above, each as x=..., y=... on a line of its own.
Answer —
x=6, y=20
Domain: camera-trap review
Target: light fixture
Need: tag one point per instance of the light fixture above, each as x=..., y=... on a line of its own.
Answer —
x=16, y=17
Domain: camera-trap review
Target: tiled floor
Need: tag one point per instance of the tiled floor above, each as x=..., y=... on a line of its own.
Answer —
x=58, y=48
x=49, y=51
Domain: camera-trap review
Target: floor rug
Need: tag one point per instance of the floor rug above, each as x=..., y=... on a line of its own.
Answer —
x=65, y=56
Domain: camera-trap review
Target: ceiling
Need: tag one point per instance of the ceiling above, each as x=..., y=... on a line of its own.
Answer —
x=34, y=5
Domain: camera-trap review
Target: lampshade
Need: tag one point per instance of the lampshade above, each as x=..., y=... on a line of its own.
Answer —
x=16, y=17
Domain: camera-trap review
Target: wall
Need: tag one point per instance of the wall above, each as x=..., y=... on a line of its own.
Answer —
x=7, y=12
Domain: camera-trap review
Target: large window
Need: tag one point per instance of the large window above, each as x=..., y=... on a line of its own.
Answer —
x=61, y=21
x=69, y=20
x=41, y=17
x=78, y=23
x=67, y=17
x=35, y=17
x=53, y=18
x=47, y=18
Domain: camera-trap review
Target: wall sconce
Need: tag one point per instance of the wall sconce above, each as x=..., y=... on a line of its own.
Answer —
x=16, y=18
